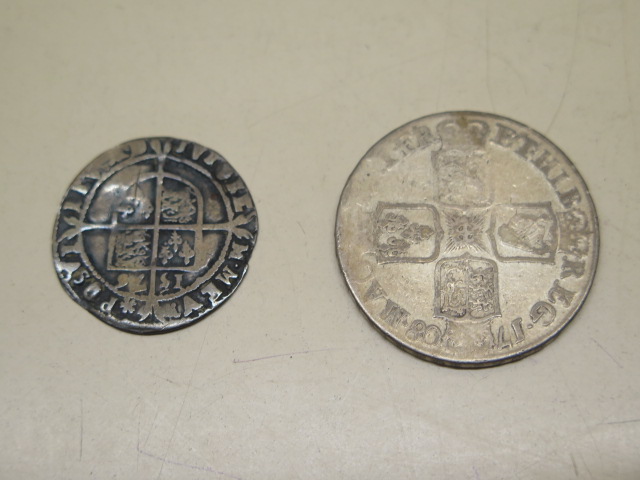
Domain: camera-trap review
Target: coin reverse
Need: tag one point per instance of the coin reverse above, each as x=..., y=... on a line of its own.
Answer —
x=154, y=234
x=468, y=239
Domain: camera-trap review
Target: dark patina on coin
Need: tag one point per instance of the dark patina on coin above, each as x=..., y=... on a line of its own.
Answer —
x=154, y=234
x=467, y=238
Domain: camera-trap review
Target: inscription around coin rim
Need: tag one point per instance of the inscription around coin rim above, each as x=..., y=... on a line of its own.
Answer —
x=154, y=244
x=566, y=240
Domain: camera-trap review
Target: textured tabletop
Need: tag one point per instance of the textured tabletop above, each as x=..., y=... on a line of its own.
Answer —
x=289, y=379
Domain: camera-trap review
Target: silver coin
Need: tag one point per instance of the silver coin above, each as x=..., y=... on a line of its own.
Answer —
x=154, y=234
x=467, y=238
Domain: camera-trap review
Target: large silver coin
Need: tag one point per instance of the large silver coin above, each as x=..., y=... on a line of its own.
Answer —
x=154, y=234
x=467, y=238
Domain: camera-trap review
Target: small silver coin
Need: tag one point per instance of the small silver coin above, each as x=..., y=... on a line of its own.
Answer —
x=468, y=239
x=154, y=234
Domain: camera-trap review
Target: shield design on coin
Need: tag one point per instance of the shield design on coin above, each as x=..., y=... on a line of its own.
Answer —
x=154, y=234
x=132, y=246
x=460, y=164
x=466, y=289
x=525, y=232
x=513, y=212
x=407, y=233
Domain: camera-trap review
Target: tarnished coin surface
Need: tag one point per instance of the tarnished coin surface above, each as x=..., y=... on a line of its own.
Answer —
x=154, y=234
x=467, y=238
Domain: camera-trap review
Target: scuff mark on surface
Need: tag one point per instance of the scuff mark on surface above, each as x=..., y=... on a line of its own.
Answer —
x=290, y=354
x=569, y=73
x=81, y=428
x=187, y=465
x=606, y=352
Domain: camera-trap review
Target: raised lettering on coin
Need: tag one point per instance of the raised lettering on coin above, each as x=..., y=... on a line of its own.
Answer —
x=484, y=235
x=154, y=234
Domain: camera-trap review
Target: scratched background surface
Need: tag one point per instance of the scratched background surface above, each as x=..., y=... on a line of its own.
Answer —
x=288, y=380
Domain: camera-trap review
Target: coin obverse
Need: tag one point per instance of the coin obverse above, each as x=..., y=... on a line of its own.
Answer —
x=468, y=239
x=154, y=234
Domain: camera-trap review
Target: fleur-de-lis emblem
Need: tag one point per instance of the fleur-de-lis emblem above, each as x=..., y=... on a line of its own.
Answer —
x=176, y=246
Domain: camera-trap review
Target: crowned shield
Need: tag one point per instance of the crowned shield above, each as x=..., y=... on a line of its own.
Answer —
x=466, y=289
x=461, y=164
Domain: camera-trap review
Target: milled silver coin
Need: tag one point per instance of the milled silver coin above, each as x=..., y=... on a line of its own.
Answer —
x=154, y=234
x=467, y=238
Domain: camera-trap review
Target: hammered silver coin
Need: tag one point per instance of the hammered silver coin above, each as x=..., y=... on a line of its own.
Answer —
x=154, y=234
x=467, y=238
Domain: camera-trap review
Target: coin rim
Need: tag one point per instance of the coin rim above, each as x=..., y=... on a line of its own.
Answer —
x=511, y=357
x=132, y=328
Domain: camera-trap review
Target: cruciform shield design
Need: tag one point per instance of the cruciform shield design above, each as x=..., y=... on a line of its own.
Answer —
x=467, y=238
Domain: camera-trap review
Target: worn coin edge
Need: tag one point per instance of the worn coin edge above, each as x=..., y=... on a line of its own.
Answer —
x=130, y=327
x=513, y=356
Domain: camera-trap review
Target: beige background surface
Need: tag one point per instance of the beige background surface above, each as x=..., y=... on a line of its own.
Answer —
x=288, y=380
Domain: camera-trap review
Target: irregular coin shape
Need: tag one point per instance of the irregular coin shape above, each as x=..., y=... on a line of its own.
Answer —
x=467, y=238
x=154, y=234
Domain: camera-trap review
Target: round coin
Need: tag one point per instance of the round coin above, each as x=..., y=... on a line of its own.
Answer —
x=154, y=234
x=467, y=238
